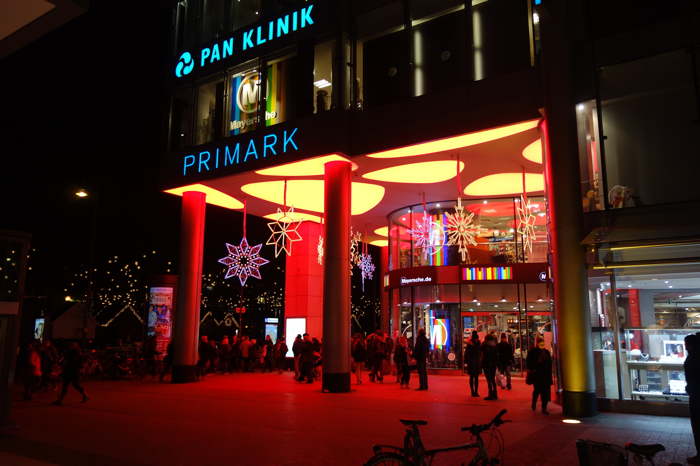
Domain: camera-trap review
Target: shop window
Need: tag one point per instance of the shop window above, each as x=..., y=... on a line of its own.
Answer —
x=244, y=100
x=439, y=52
x=280, y=99
x=186, y=22
x=650, y=114
x=244, y=12
x=592, y=186
x=323, y=76
x=501, y=37
x=181, y=119
x=213, y=19
x=210, y=111
x=382, y=56
x=533, y=246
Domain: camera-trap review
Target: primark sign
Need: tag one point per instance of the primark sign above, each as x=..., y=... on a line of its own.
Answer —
x=246, y=40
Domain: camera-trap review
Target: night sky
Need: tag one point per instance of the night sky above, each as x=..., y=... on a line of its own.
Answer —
x=86, y=106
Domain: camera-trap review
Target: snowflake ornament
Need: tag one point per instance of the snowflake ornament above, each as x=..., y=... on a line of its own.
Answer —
x=428, y=235
x=461, y=230
x=320, y=250
x=526, y=224
x=284, y=231
x=366, y=268
x=243, y=261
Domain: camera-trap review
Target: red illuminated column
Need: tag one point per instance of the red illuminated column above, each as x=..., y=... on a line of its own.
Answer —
x=186, y=323
x=336, y=283
x=383, y=270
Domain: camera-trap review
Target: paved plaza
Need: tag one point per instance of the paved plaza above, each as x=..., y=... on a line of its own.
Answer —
x=269, y=419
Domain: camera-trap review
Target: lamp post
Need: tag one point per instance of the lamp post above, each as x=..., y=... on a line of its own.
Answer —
x=84, y=194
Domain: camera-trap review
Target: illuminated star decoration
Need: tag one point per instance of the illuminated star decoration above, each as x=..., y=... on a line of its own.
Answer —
x=319, y=250
x=355, y=254
x=243, y=261
x=366, y=268
x=461, y=230
x=526, y=224
x=428, y=235
x=284, y=231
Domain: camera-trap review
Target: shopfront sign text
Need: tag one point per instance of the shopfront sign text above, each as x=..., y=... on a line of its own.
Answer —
x=246, y=39
x=275, y=143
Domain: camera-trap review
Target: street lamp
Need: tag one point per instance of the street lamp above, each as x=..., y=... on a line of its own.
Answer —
x=83, y=193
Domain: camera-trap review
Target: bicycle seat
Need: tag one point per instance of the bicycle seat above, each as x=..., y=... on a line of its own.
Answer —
x=409, y=422
x=645, y=450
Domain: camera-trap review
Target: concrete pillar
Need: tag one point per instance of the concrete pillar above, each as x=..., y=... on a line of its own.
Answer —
x=336, y=283
x=186, y=324
x=566, y=216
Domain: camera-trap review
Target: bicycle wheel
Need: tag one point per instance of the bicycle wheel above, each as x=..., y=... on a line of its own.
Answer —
x=388, y=459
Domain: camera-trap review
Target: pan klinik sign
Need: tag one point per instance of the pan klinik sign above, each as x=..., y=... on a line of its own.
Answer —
x=245, y=40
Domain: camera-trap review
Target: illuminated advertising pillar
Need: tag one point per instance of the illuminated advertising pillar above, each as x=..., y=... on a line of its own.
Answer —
x=336, y=283
x=161, y=303
x=186, y=328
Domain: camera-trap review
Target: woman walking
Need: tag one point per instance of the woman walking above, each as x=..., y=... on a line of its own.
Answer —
x=505, y=358
x=539, y=374
x=401, y=356
x=359, y=356
x=489, y=360
x=472, y=358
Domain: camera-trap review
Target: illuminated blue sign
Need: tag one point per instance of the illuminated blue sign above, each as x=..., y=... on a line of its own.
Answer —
x=247, y=39
x=228, y=155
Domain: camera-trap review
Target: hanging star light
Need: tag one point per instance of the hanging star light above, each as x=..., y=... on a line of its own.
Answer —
x=355, y=253
x=366, y=268
x=461, y=230
x=243, y=261
x=428, y=235
x=284, y=231
x=526, y=224
x=320, y=250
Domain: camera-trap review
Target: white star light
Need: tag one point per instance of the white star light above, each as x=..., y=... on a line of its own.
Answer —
x=461, y=230
x=284, y=231
x=366, y=268
x=243, y=261
x=526, y=224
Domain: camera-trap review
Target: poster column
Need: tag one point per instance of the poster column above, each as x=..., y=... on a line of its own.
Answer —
x=336, y=282
x=186, y=328
x=161, y=303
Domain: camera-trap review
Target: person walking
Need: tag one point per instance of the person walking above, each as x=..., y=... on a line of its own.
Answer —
x=280, y=354
x=296, y=350
x=72, y=363
x=32, y=376
x=489, y=361
x=358, y=351
x=472, y=358
x=401, y=357
x=306, y=361
x=268, y=354
x=539, y=374
x=506, y=358
x=692, y=387
x=167, y=361
x=377, y=343
x=420, y=353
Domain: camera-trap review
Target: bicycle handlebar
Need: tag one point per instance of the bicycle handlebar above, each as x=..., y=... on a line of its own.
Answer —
x=479, y=428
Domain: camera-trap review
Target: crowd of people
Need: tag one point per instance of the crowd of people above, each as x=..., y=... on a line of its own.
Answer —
x=240, y=354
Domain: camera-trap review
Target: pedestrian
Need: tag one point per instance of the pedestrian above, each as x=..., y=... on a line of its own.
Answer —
x=296, y=351
x=317, y=361
x=387, y=367
x=167, y=361
x=246, y=352
x=692, y=378
x=236, y=354
x=50, y=367
x=539, y=374
x=401, y=357
x=32, y=376
x=489, y=361
x=72, y=363
x=506, y=359
x=203, y=351
x=420, y=353
x=268, y=354
x=280, y=354
x=306, y=360
x=225, y=355
x=377, y=343
x=472, y=358
x=358, y=351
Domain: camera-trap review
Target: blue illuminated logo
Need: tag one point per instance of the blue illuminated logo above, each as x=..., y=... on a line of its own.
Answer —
x=239, y=153
x=247, y=39
x=184, y=65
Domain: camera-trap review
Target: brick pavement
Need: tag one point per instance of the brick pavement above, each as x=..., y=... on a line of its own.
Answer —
x=262, y=419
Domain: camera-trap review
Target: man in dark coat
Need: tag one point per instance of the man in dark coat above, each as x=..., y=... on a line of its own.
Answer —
x=420, y=353
x=472, y=358
x=489, y=361
x=505, y=358
x=692, y=379
x=72, y=364
x=307, y=360
x=539, y=374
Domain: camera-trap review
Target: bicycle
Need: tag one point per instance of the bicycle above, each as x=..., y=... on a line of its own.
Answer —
x=592, y=453
x=414, y=453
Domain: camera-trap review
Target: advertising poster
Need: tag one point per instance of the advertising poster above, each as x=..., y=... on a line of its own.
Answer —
x=160, y=311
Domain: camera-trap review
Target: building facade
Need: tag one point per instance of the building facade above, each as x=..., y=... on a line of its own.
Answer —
x=520, y=163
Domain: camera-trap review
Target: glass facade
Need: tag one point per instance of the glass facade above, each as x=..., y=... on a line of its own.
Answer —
x=640, y=315
x=210, y=111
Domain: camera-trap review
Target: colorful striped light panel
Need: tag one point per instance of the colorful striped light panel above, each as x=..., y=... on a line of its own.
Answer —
x=487, y=273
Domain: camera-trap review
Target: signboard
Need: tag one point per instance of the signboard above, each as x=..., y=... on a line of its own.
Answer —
x=515, y=273
x=160, y=312
x=246, y=40
x=413, y=277
x=487, y=273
